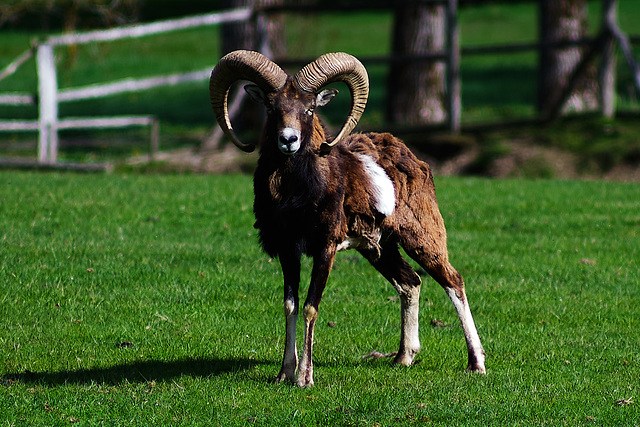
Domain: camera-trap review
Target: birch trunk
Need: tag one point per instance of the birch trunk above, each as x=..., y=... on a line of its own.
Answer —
x=564, y=20
x=417, y=90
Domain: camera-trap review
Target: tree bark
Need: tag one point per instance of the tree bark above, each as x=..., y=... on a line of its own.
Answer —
x=562, y=21
x=238, y=35
x=272, y=31
x=416, y=91
x=264, y=33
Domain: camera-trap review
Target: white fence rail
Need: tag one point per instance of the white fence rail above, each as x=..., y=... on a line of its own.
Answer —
x=11, y=68
x=130, y=85
x=49, y=96
x=142, y=30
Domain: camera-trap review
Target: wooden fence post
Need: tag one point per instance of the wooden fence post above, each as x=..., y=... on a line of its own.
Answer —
x=155, y=139
x=47, y=105
x=453, y=67
x=607, y=72
x=623, y=41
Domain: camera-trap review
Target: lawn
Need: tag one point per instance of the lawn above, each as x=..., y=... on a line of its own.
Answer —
x=144, y=300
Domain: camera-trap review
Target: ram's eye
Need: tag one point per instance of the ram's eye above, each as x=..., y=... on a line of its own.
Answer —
x=309, y=111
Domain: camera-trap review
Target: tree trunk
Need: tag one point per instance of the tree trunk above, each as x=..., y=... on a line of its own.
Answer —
x=416, y=91
x=238, y=35
x=271, y=27
x=264, y=33
x=561, y=21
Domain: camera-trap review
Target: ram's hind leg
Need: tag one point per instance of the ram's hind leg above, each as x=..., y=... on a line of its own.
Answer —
x=438, y=266
x=407, y=283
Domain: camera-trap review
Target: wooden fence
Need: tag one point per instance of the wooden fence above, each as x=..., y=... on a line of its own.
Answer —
x=49, y=96
x=601, y=45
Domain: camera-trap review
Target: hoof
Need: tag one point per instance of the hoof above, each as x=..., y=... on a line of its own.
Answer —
x=284, y=377
x=304, y=383
x=476, y=362
x=305, y=378
x=404, y=361
x=477, y=369
x=405, y=358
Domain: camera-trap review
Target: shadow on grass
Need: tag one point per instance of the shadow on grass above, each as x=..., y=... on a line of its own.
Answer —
x=151, y=370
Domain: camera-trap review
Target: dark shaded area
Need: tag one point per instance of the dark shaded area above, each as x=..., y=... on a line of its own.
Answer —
x=143, y=371
x=503, y=87
x=60, y=14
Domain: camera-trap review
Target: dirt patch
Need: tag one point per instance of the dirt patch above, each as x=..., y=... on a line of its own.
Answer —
x=505, y=159
x=227, y=159
x=517, y=159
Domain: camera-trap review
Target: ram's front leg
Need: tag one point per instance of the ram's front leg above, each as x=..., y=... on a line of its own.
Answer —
x=321, y=267
x=291, y=272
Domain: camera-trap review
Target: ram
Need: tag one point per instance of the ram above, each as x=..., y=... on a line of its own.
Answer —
x=316, y=195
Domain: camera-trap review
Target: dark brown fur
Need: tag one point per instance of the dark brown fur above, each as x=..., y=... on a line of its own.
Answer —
x=309, y=203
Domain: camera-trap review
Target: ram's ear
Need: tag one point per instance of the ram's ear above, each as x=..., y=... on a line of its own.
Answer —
x=256, y=94
x=325, y=96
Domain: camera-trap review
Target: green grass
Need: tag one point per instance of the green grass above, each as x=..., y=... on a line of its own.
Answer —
x=171, y=265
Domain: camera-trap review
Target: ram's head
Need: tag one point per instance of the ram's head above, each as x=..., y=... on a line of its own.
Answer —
x=290, y=100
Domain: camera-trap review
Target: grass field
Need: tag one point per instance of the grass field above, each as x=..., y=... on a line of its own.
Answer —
x=144, y=300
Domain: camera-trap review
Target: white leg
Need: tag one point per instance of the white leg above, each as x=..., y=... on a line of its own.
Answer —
x=290, y=359
x=410, y=337
x=474, y=346
x=305, y=373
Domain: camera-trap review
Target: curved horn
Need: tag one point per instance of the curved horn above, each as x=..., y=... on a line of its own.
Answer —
x=241, y=65
x=333, y=67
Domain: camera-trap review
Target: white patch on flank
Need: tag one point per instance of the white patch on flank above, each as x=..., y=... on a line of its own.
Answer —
x=381, y=186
